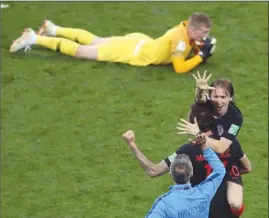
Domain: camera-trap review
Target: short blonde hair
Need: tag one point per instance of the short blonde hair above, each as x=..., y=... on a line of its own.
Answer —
x=199, y=19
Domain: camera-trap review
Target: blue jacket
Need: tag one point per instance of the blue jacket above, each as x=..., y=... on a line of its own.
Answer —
x=184, y=201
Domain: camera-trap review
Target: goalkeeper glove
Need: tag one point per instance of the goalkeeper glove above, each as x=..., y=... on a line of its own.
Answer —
x=207, y=47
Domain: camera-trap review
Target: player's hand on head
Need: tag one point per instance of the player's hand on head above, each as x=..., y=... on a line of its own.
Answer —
x=129, y=136
x=207, y=48
x=201, y=82
x=200, y=139
x=185, y=127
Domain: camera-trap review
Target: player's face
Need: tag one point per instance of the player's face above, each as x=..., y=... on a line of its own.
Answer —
x=199, y=33
x=220, y=99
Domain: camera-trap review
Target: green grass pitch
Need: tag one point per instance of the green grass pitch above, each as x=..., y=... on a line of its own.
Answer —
x=62, y=119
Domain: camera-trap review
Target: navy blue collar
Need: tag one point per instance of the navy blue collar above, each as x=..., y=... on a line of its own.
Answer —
x=180, y=187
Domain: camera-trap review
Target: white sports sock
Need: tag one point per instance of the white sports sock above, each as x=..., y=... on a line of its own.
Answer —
x=33, y=39
x=53, y=29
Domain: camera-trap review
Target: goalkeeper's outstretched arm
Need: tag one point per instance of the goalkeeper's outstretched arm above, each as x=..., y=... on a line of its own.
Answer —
x=205, y=51
x=183, y=66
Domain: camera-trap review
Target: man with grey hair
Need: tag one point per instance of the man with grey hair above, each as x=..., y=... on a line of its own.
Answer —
x=186, y=201
x=183, y=200
x=181, y=169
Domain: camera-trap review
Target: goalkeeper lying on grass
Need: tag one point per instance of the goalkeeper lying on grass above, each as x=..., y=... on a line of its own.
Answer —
x=137, y=49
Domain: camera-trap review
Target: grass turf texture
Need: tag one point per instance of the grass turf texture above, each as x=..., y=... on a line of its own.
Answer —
x=62, y=118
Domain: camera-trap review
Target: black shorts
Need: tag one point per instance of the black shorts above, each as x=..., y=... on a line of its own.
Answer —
x=219, y=206
x=233, y=175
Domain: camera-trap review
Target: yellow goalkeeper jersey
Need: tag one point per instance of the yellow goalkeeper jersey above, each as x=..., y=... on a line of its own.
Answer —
x=160, y=50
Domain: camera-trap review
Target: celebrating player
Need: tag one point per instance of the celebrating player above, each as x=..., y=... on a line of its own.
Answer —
x=226, y=124
x=137, y=49
x=219, y=207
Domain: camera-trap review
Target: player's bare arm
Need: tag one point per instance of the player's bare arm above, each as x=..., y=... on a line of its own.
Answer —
x=219, y=146
x=152, y=170
x=246, y=165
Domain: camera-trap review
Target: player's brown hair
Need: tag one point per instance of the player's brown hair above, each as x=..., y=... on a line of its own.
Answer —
x=199, y=19
x=203, y=114
x=226, y=84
